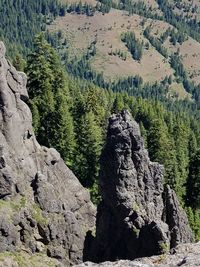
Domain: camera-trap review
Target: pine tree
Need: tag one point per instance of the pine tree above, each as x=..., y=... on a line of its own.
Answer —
x=118, y=104
x=49, y=93
x=194, y=220
x=161, y=149
x=63, y=129
x=193, y=182
x=40, y=78
x=89, y=144
x=143, y=133
x=181, y=137
x=192, y=146
x=96, y=102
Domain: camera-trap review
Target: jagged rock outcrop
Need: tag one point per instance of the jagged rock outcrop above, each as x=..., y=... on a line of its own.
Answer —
x=43, y=207
x=137, y=217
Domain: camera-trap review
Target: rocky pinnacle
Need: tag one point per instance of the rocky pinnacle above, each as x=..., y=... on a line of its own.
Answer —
x=137, y=216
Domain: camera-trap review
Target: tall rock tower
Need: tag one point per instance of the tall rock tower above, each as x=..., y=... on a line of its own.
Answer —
x=137, y=216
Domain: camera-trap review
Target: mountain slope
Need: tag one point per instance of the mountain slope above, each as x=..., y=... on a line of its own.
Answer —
x=99, y=36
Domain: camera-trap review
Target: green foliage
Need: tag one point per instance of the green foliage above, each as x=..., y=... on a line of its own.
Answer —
x=71, y=115
x=193, y=182
x=136, y=231
x=63, y=130
x=137, y=7
x=183, y=24
x=23, y=259
x=181, y=138
x=89, y=10
x=20, y=20
x=156, y=43
x=177, y=65
x=161, y=149
x=48, y=90
x=94, y=193
x=176, y=36
x=134, y=45
x=19, y=63
x=118, y=104
x=88, y=148
x=194, y=220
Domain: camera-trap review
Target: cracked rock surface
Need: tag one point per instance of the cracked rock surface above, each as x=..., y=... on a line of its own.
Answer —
x=43, y=207
x=184, y=255
x=137, y=216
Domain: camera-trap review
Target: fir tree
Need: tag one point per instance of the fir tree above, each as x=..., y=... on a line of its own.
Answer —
x=193, y=182
x=48, y=92
x=89, y=144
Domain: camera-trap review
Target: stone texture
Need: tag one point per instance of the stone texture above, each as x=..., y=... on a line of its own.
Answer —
x=43, y=207
x=136, y=216
x=185, y=255
x=178, y=227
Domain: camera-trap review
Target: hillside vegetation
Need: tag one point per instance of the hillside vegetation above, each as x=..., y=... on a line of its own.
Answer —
x=72, y=117
x=113, y=55
x=172, y=26
x=20, y=20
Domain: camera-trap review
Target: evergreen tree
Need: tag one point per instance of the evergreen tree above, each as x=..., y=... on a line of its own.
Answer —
x=143, y=133
x=21, y=20
x=118, y=104
x=194, y=220
x=134, y=45
x=88, y=149
x=181, y=137
x=193, y=182
x=63, y=129
x=40, y=80
x=192, y=145
x=48, y=93
x=161, y=149
x=19, y=63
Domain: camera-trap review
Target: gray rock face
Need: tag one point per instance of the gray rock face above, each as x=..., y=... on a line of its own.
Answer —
x=136, y=217
x=175, y=219
x=43, y=207
x=185, y=255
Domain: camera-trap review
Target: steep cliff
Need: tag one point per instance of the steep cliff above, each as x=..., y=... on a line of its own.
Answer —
x=137, y=217
x=43, y=207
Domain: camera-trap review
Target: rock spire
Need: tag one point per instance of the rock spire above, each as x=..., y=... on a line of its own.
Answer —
x=137, y=216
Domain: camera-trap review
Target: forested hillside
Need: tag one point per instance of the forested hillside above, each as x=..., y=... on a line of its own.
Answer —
x=72, y=117
x=113, y=55
x=20, y=20
x=165, y=46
